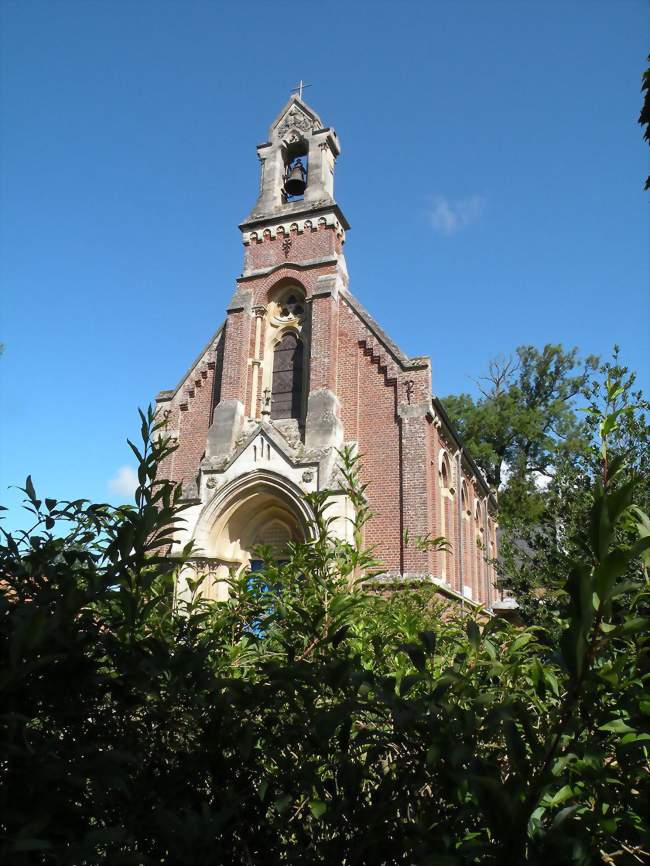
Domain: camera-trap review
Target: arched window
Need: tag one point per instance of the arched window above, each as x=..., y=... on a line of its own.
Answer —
x=464, y=500
x=286, y=391
x=445, y=471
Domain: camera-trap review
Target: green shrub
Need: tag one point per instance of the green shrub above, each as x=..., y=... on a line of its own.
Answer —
x=305, y=721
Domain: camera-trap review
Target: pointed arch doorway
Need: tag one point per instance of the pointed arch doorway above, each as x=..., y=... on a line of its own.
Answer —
x=260, y=508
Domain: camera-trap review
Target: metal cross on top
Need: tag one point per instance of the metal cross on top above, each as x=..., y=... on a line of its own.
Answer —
x=300, y=88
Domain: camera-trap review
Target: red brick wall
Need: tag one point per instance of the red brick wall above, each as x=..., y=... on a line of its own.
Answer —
x=378, y=438
x=195, y=415
x=235, y=361
x=368, y=397
x=188, y=415
x=314, y=243
x=324, y=343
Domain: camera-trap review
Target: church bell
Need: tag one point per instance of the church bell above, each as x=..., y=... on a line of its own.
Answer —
x=296, y=179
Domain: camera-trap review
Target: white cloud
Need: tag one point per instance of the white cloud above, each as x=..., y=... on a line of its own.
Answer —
x=541, y=480
x=448, y=217
x=125, y=481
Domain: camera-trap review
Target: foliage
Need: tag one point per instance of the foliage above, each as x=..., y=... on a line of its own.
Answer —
x=644, y=116
x=534, y=555
x=523, y=422
x=305, y=720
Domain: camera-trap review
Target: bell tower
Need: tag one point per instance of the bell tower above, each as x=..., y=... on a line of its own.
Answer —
x=278, y=347
x=296, y=165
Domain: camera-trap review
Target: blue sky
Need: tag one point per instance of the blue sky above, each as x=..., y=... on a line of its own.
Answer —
x=492, y=172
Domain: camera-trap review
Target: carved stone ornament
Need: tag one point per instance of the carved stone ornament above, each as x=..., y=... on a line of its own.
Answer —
x=307, y=476
x=211, y=482
x=295, y=119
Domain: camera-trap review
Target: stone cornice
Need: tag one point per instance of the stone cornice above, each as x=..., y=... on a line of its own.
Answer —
x=301, y=266
x=295, y=212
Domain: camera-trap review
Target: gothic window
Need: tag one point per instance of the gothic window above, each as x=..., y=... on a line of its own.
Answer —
x=464, y=500
x=286, y=391
x=445, y=472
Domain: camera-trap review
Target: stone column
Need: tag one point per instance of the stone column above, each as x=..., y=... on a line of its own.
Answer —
x=256, y=360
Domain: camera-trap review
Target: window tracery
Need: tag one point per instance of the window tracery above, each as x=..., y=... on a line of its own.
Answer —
x=290, y=308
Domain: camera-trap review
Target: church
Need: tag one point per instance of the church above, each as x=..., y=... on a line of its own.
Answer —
x=299, y=369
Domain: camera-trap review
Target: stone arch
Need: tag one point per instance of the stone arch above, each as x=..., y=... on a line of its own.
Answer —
x=260, y=507
x=283, y=285
x=293, y=145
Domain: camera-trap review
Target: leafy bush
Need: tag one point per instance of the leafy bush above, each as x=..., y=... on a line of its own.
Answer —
x=306, y=721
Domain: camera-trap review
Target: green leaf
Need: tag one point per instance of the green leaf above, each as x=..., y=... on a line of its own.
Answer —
x=29, y=488
x=617, y=726
x=537, y=676
x=633, y=625
x=631, y=738
x=521, y=641
x=318, y=808
x=473, y=635
x=565, y=793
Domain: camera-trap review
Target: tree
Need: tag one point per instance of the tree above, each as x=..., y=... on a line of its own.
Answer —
x=534, y=553
x=644, y=117
x=523, y=422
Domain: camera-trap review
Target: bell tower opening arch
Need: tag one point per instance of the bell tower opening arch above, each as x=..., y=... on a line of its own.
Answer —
x=259, y=508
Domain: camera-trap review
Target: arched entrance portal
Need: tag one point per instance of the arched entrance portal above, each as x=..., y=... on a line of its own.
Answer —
x=260, y=508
